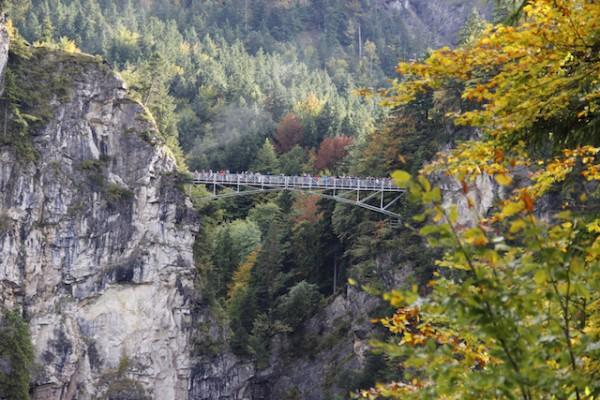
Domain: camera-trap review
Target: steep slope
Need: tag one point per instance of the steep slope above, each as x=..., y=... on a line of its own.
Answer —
x=96, y=245
x=436, y=22
x=96, y=240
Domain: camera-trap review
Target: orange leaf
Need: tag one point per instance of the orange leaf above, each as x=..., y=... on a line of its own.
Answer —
x=528, y=201
x=465, y=186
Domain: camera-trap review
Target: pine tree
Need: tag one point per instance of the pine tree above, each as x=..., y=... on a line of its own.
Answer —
x=16, y=355
x=266, y=159
x=472, y=28
x=47, y=30
x=267, y=277
x=223, y=259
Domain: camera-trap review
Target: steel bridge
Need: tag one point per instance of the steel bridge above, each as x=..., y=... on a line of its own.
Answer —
x=375, y=194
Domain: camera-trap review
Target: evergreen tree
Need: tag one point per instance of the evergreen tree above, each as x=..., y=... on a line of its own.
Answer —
x=266, y=159
x=298, y=304
x=267, y=277
x=472, y=28
x=47, y=30
x=223, y=259
x=16, y=357
x=292, y=162
x=263, y=215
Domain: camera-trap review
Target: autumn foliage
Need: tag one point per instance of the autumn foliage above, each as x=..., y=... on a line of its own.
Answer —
x=521, y=316
x=306, y=209
x=331, y=151
x=514, y=312
x=289, y=133
x=544, y=69
x=241, y=276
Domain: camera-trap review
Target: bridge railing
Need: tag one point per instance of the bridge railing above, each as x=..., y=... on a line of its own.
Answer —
x=304, y=182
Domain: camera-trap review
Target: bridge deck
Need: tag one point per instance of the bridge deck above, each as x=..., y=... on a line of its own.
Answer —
x=297, y=182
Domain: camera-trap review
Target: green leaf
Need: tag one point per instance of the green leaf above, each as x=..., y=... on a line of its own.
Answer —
x=424, y=182
x=453, y=214
x=541, y=276
x=565, y=215
x=401, y=178
x=419, y=217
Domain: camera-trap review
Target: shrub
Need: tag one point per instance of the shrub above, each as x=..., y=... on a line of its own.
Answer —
x=298, y=304
x=120, y=386
x=5, y=223
x=116, y=193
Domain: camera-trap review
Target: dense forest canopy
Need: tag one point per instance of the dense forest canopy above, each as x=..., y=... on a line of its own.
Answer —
x=264, y=86
x=226, y=74
x=510, y=309
x=514, y=309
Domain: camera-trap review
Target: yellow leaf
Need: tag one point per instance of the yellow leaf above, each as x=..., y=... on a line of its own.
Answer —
x=453, y=214
x=512, y=208
x=594, y=226
x=425, y=183
x=401, y=178
x=540, y=276
x=476, y=237
x=517, y=226
x=503, y=179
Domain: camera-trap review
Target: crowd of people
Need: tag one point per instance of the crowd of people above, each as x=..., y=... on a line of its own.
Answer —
x=304, y=180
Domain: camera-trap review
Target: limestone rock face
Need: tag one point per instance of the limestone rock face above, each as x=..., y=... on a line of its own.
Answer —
x=96, y=244
x=484, y=194
x=311, y=364
x=436, y=22
x=223, y=377
x=330, y=349
x=4, y=42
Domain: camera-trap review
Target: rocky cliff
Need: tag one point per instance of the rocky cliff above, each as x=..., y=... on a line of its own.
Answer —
x=95, y=238
x=96, y=245
x=316, y=362
x=436, y=23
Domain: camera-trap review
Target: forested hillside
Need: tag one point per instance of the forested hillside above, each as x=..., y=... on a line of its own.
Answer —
x=221, y=77
x=486, y=113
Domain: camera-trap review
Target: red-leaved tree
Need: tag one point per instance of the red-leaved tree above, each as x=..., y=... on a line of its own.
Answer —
x=289, y=133
x=331, y=151
x=306, y=209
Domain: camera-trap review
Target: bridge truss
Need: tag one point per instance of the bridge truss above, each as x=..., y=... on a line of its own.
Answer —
x=374, y=194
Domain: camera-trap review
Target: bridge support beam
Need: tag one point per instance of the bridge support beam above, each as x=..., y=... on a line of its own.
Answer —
x=325, y=189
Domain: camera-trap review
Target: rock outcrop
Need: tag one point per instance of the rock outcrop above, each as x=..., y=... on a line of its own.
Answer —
x=222, y=377
x=4, y=42
x=436, y=23
x=96, y=240
x=318, y=360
